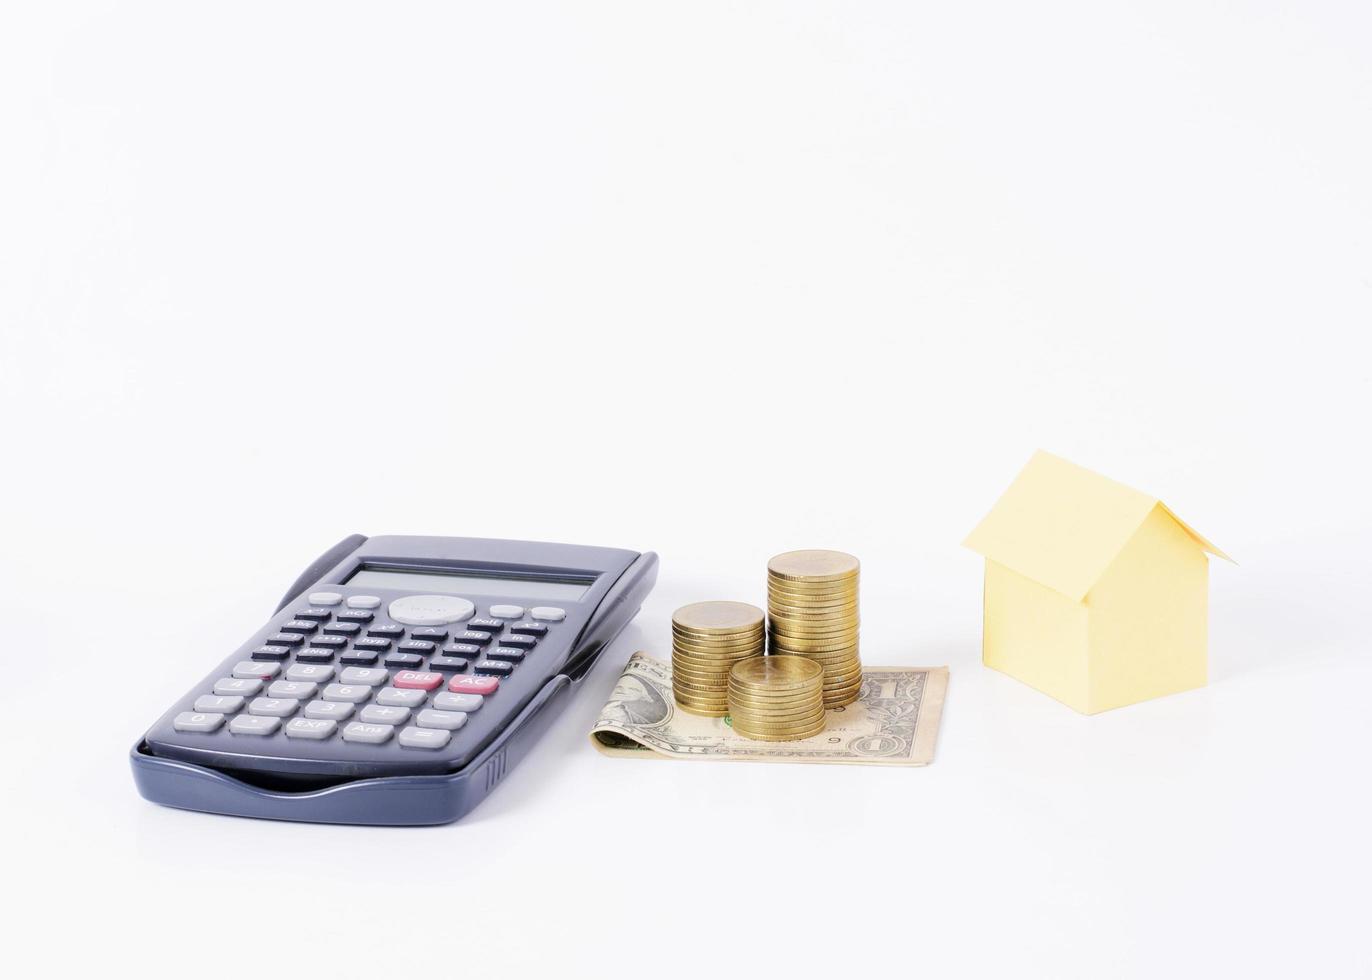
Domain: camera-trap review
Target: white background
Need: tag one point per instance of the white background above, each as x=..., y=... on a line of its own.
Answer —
x=716, y=280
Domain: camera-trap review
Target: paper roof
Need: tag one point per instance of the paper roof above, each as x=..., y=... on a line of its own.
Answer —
x=1062, y=526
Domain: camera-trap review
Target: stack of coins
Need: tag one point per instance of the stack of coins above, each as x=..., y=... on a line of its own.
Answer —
x=708, y=638
x=812, y=599
x=777, y=699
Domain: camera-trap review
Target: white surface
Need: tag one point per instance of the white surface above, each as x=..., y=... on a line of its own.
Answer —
x=727, y=280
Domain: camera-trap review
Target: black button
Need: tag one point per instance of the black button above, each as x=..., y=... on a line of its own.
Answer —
x=491, y=625
x=404, y=660
x=370, y=643
x=520, y=641
x=458, y=664
x=529, y=629
x=498, y=667
x=286, y=639
x=358, y=658
x=356, y=616
x=332, y=642
x=417, y=646
x=313, y=656
x=342, y=629
x=271, y=653
x=299, y=626
x=386, y=629
x=429, y=633
x=462, y=650
x=507, y=653
x=319, y=614
x=473, y=636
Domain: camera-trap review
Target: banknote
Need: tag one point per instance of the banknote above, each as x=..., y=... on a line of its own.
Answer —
x=894, y=722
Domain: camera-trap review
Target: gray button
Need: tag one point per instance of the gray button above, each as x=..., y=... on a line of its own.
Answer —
x=324, y=598
x=256, y=668
x=364, y=601
x=507, y=612
x=458, y=702
x=447, y=720
x=329, y=710
x=275, y=707
x=254, y=725
x=371, y=676
x=376, y=714
x=197, y=721
x=220, y=705
x=359, y=732
x=241, y=686
x=430, y=610
x=292, y=689
x=401, y=697
x=424, y=738
x=355, y=693
x=310, y=728
x=310, y=672
x=551, y=614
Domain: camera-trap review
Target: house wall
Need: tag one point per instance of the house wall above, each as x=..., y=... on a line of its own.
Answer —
x=1148, y=617
x=1036, y=635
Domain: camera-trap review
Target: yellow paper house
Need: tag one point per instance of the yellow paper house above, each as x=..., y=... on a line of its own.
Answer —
x=1095, y=594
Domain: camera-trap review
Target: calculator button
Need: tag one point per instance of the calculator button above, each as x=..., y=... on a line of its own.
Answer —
x=197, y=721
x=352, y=693
x=364, y=601
x=430, y=610
x=315, y=655
x=371, y=643
x=329, y=642
x=271, y=653
x=473, y=685
x=285, y=639
x=332, y=710
x=416, y=646
x=404, y=660
x=254, y=725
x=429, y=633
x=363, y=658
x=292, y=689
x=419, y=680
x=225, y=705
x=424, y=738
x=550, y=613
x=320, y=614
x=242, y=686
x=490, y=625
x=447, y=720
x=507, y=612
x=520, y=641
x=324, y=598
x=371, y=676
x=355, y=616
x=319, y=673
x=473, y=636
x=512, y=654
x=274, y=707
x=529, y=629
x=399, y=698
x=462, y=650
x=310, y=728
x=380, y=714
x=497, y=667
x=299, y=626
x=458, y=702
x=256, y=668
x=359, y=732
x=389, y=630
x=448, y=663
x=343, y=629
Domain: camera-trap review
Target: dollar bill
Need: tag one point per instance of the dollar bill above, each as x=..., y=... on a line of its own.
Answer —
x=894, y=722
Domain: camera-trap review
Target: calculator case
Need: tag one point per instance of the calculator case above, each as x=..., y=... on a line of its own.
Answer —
x=422, y=799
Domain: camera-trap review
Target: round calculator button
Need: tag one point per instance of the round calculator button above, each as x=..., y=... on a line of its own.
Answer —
x=363, y=601
x=430, y=610
x=550, y=613
x=325, y=598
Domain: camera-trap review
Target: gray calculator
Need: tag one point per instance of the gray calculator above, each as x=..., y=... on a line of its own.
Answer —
x=398, y=681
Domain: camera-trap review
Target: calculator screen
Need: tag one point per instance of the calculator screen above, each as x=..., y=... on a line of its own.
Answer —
x=468, y=583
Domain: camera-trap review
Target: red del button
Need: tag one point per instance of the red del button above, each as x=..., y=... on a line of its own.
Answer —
x=422, y=680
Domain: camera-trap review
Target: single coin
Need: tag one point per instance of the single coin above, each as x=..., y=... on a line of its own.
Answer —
x=717, y=617
x=775, y=673
x=813, y=565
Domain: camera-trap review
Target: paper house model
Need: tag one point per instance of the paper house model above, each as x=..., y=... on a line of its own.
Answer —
x=1095, y=593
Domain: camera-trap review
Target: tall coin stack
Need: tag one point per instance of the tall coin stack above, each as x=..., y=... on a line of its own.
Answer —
x=708, y=638
x=812, y=600
x=777, y=699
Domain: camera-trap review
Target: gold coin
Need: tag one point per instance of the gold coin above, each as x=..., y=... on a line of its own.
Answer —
x=784, y=608
x=779, y=737
x=717, y=617
x=703, y=712
x=789, y=597
x=711, y=668
x=840, y=700
x=715, y=639
x=849, y=686
x=775, y=673
x=701, y=684
x=723, y=653
x=815, y=630
x=819, y=653
x=779, y=709
x=813, y=565
x=835, y=638
x=794, y=719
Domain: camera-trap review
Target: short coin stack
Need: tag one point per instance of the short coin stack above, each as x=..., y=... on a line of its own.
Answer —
x=777, y=699
x=708, y=638
x=812, y=599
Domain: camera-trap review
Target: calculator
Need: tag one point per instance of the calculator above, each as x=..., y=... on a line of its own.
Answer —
x=397, y=683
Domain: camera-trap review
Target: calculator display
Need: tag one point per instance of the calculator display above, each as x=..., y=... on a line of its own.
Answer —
x=468, y=583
